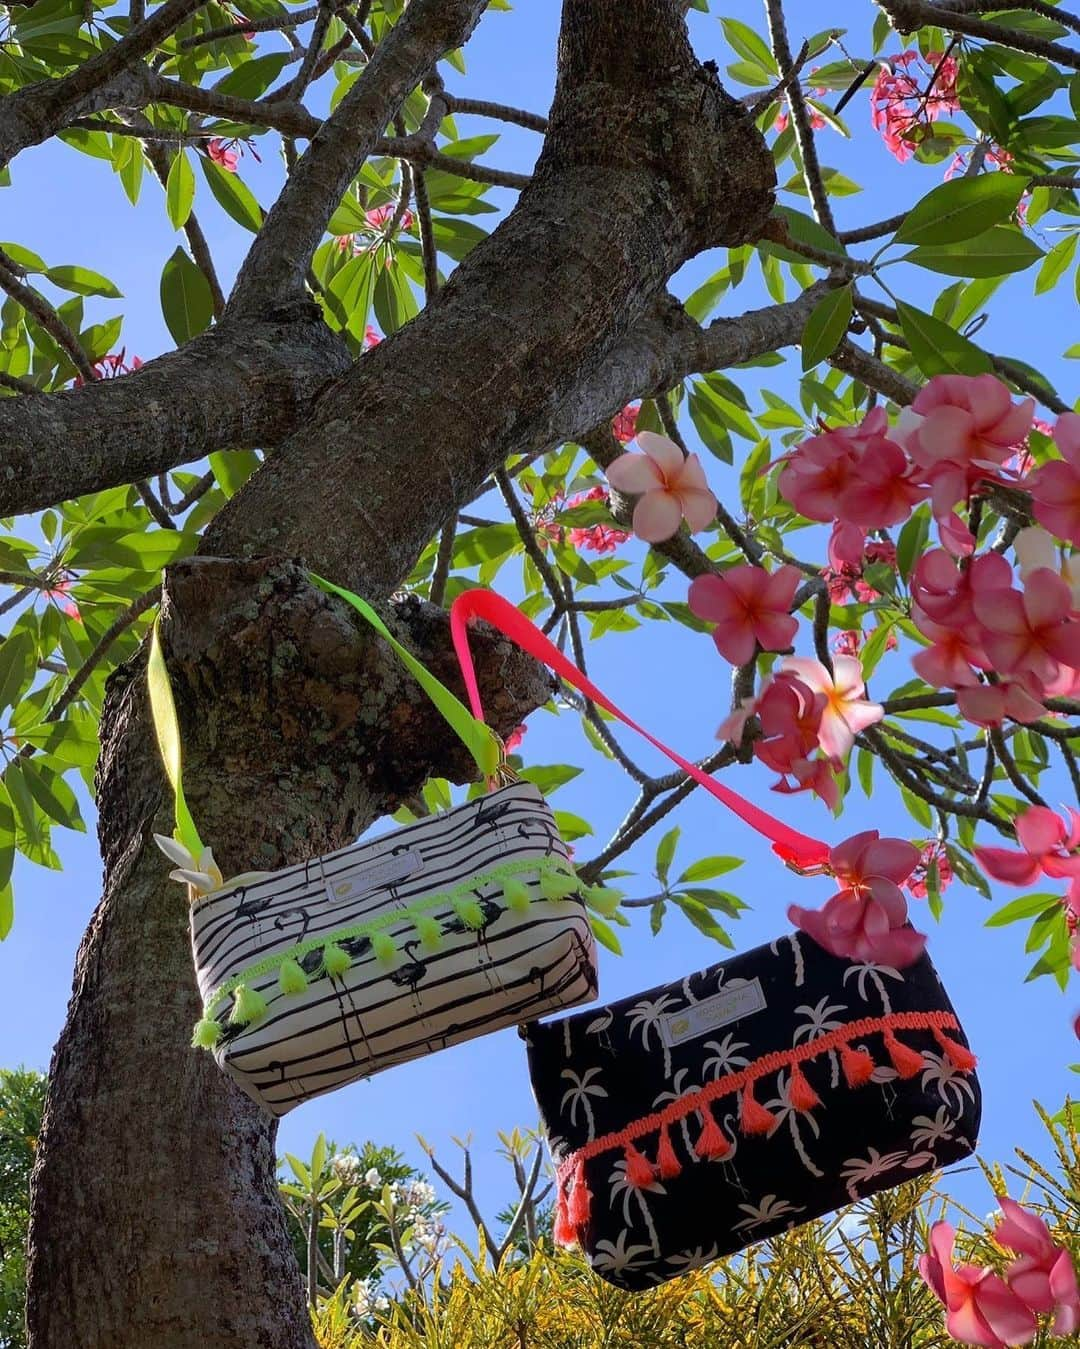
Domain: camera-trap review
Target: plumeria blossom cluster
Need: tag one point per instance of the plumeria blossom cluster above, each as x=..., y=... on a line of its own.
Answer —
x=599, y=538
x=984, y=1308
x=908, y=95
x=670, y=487
x=226, y=153
x=112, y=366
x=809, y=719
x=1049, y=846
x=867, y=919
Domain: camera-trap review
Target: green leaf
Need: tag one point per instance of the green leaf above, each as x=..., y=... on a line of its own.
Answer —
x=743, y=40
x=937, y=348
x=186, y=300
x=962, y=209
x=826, y=326
x=26, y=811
x=69, y=741
x=82, y=281
x=665, y=853
x=996, y=252
x=53, y=795
x=1056, y=262
x=7, y=910
x=604, y=935
x=179, y=190
x=708, y=868
x=656, y=916
x=234, y=198
x=251, y=78
x=1027, y=906
x=549, y=777
x=911, y=543
x=716, y=899
x=571, y=827
x=702, y=919
x=129, y=165
x=232, y=468
x=18, y=661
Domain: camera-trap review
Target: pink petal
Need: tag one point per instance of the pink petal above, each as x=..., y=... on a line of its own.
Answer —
x=1020, y=705
x=1002, y=864
x=848, y=676
x=983, y=705
x=781, y=586
x=812, y=673
x=711, y=599
x=1022, y=1231
x=664, y=453
x=898, y=948
x=776, y=632
x=1066, y=1294
x=1003, y=1311
x=698, y=506
x=892, y=857
x=1047, y=599
x=736, y=643
x=633, y=474
x=690, y=476
x=1067, y=437
x=1038, y=831
x=945, y=434
x=657, y=516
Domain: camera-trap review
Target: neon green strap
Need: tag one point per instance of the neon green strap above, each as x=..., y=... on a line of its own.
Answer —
x=480, y=740
x=167, y=728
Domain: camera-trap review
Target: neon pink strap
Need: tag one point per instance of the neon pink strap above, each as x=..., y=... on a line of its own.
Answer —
x=797, y=849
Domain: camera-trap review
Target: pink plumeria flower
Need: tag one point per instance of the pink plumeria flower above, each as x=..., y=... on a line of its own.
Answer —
x=1055, y=487
x=1049, y=846
x=598, y=538
x=933, y=854
x=750, y=607
x=980, y=1307
x=221, y=152
x=1044, y=1277
x=670, y=488
x=1030, y=634
x=990, y=704
x=514, y=739
x=1036, y=549
x=58, y=594
x=372, y=336
x=624, y=423
x=846, y=711
x=866, y=919
x=381, y=216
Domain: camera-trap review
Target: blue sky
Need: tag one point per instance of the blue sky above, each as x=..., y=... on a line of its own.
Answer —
x=71, y=209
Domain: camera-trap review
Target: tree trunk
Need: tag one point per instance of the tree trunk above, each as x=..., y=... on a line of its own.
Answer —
x=156, y=1223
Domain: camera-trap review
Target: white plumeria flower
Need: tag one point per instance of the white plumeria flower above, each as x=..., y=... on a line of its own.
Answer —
x=202, y=873
x=372, y=1179
x=1036, y=548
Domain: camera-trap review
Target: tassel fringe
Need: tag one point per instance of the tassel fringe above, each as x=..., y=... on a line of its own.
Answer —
x=667, y=1163
x=563, y=1230
x=580, y=1202
x=429, y=932
x=291, y=978
x=801, y=1094
x=470, y=913
x=555, y=885
x=712, y=1141
x=603, y=900
x=384, y=947
x=516, y=895
x=907, y=1062
x=248, y=1005
x=857, y=1064
x=206, y=1034
x=753, y=1117
x=335, y=960
x=961, y=1058
x=640, y=1172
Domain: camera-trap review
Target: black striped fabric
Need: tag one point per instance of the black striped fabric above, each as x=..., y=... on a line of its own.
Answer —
x=513, y=967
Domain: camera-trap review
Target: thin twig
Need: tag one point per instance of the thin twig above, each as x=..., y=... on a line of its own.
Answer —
x=532, y=121
x=443, y=559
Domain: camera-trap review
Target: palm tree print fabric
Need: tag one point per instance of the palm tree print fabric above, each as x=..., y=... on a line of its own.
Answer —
x=693, y=1119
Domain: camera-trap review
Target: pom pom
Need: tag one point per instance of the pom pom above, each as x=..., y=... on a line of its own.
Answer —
x=961, y=1058
x=291, y=978
x=667, y=1163
x=857, y=1064
x=754, y=1118
x=207, y=1033
x=558, y=884
x=335, y=960
x=712, y=1141
x=563, y=1230
x=907, y=1062
x=516, y=895
x=470, y=913
x=384, y=947
x=248, y=1005
x=603, y=900
x=639, y=1170
x=428, y=930
x=580, y=1200
x=800, y=1093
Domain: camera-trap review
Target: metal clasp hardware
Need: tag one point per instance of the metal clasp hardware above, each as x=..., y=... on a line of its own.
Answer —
x=504, y=775
x=818, y=869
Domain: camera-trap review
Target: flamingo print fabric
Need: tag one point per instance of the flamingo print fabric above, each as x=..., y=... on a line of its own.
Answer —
x=695, y=1118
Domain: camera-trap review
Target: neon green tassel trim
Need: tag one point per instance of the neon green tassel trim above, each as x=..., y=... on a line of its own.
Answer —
x=470, y=913
x=603, y=900
x=558, y=885
x=291, y=978
x=384, y=946
x=335, y=960
x=516, y=895
x=248, y=1005
x=428, y=930
x=207, y=1033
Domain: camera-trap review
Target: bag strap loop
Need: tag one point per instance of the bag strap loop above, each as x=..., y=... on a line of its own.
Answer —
x=799, y=851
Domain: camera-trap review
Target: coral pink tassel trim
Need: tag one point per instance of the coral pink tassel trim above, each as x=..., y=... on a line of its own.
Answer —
x=858, y=1066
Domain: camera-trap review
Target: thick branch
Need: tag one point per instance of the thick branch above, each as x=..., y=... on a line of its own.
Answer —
x=909, y=15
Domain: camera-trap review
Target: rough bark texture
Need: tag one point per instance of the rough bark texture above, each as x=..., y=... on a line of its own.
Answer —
x=157, y=1223
x=298, y=733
